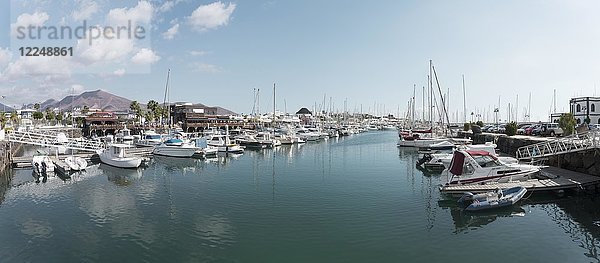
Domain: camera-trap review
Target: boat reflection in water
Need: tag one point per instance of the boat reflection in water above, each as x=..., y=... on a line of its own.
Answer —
x=465, y=220
x=119, y=176
x=178, y=164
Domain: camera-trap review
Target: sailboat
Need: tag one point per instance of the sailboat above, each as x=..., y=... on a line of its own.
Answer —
x=422, y=138
x=174, y=147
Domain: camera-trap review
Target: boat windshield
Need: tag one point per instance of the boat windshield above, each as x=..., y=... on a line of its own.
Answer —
x=486, y=161
x=152, y=137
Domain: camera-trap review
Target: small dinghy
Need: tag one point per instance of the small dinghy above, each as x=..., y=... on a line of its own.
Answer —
x=76, y=163
x=492, y=199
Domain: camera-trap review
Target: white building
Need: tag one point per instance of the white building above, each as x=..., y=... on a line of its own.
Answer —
x=585, y=107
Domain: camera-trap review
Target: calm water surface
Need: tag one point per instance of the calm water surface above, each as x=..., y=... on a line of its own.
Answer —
x=354, y=199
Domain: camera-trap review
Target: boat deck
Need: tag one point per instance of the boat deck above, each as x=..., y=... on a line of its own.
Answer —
x=557, y=179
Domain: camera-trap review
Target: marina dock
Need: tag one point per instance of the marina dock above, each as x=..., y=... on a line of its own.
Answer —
x=25, y=161
x=557, y=179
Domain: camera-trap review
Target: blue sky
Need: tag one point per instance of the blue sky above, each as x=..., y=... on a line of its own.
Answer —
x=365, y=53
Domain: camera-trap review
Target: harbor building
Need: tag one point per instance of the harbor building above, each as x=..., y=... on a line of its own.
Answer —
x=585, y=107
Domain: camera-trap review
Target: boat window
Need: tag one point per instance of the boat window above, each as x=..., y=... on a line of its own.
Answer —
x=468, y=168
x=486, y=161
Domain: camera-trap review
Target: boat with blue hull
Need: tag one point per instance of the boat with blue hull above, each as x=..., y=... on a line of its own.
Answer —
x=493, y=199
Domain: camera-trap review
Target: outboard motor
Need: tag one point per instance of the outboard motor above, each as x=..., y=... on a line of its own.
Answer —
x=44, y=167
x=426, y=158
x=466, y=198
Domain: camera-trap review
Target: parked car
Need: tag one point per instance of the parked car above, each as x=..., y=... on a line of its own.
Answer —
x=501, y=128
x=594, y=126
x=531, y=130
x=521, y=129
x=487, y=128
x=551, y=129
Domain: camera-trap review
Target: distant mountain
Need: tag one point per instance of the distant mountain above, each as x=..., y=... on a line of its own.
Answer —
x=100, y=99
x=97, y=99
x=6, y=108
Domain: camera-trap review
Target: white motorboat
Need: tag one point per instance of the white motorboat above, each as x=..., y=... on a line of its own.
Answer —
x=76, y=163
x=469, y=166
x=440, y=161
x=307, y=135
x=42, y=163
x=420, y=142
x=175, y=148
x=124, y=135
x=150, y=139
x=267, y=139
x=115, y=155
x=223, y=144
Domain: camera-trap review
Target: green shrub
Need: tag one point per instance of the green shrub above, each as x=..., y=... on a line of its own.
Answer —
x=479, y=123
x=511, y=129
x=466, y=126
x=567, y=123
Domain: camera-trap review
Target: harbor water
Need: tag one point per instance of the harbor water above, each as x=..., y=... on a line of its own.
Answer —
x=352, y=199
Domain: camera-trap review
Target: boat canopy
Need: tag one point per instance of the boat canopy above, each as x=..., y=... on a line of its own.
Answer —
x=477, y=152
x=458, y=161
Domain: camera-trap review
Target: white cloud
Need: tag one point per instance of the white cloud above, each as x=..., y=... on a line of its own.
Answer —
x=167, y=6
x=5, y=57
x=103, y=50
x=170, y=34
x=51, y=69
x=211, y=16
x=140, y=14
x=198, y=53
x=85, y=10
x=145, y=56
x=206, y=68
x=119, y=72
x=77, y=88
x=26, y=19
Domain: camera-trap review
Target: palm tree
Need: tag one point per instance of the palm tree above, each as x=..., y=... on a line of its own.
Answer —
x=14, y=118
x=135, y=107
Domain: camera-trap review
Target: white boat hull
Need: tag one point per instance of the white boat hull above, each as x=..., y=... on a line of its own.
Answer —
x=420, y=142
x=76, y=163
x=174, y=151
x=121, y=162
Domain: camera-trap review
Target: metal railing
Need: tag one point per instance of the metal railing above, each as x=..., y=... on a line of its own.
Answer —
x=51, y=140
x=568, y=144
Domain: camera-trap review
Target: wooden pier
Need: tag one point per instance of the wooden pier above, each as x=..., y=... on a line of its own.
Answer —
x=555, y=179
x=25, y=161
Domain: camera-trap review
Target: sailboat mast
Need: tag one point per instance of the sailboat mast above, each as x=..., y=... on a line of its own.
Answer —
x=529, y=108
x=166, y=97
x=423, y=120
x=464, y=100
x=273, y=106
x=430, y=83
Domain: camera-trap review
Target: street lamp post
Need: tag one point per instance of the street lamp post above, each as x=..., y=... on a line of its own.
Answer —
x=496, y=110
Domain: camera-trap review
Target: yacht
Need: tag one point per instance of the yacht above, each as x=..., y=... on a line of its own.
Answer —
x=124, y=135
x=175, y=148
x=115, y=155
x=223, y=144
x=150, y=139
x=470, y=166
x=440, y=161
